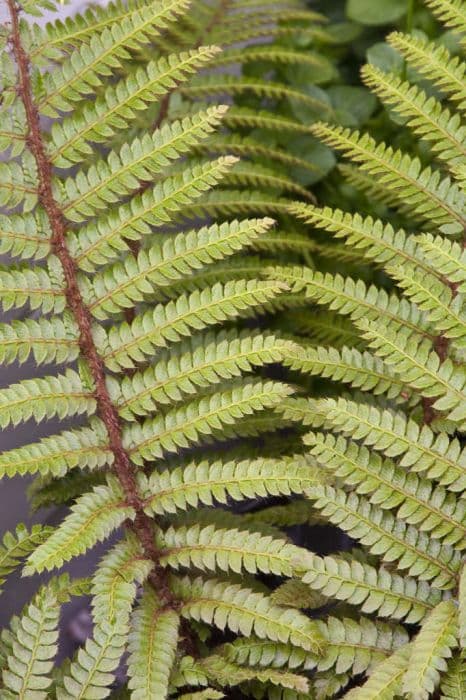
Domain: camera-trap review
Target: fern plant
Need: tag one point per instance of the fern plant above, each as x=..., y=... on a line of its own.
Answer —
x=386, y=417
x=138, y=330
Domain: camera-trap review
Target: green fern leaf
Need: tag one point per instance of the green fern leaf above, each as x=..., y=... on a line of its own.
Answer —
x=371, y=590
x=384, y=683
x=132, y=279
x=93, y=517
x=244, y=611
x=168, y=491
x=433, y=644
x=34, y=646
x=127, y=344
x=55, y=455
x=152, y=648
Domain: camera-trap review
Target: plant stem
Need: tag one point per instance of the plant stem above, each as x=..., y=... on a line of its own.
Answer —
x=122, y=465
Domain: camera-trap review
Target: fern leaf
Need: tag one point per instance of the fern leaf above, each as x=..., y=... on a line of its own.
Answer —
x=224, y=84
x=85, y=66
x=114, y=582
x=90, y=673
x=47, y=340
x=437, y=200
x=55, y=455
x=199, y=362
x=120, y=174
x=195, y=484
x=62, y=395
x=34, y=646
x=186, y=425
x=244, y=611
x=383, y=534
x=453, y=685
x=450, y=12
x=358, y=645
x=209, y=549
x=120, y=103
x=421, y=370
x=392, y=433
x=103, y=240
x=462, y=608
x=447, y=256
x=261, y=119
x=419, y=503
x=435, y=297
x=384, y=683
x=371, y=590
x=351, y=297
x=376, y=240
x=93, y=517
x=433, y=61
x=425, y=115
x=362, y=371
x=36, y=286
x=16, y=546
x=152, y=648
x=24, y=236
x=130, y=280
x=433, y=644
x=127, y=344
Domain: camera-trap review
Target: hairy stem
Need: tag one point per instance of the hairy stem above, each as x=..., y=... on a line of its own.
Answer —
x=123, y=467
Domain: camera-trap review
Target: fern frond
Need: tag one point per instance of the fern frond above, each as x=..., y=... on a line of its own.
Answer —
x=447, y=256
x=130, y=280
x=224, y=84
x=24, y=236
x=450, y=12
x=376, y=240
x=186, y=425
x=120, y=174
x=362, y=371
x=200, y=362
x=434, y=62
x=204, y=483
x=245, y=611
x=433, y=644
x=453, y=685
x=385, y=681
x=114, y=582
x=371, y=590
x=61, y=395
x=91, y=672
x=435, y=199
x=127, y=344
x=357, y=646
x=444, y=310
x=93, y=517
x=212, y=549
x=351, y=297
x=17, y=545
x=152, y=648
x=391, y=432
x=87, y=65
x=443, y=130
x=262, y=119
x=48, y=340
x=84, y=448
x=36, y=286
x=383, y=534
x=419, y=503
x=103, y=240
x=119, y=104
x=34, y=644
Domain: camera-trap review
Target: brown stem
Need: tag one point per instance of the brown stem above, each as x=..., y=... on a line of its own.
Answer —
x=122, y=465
